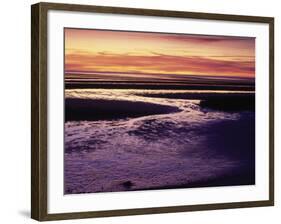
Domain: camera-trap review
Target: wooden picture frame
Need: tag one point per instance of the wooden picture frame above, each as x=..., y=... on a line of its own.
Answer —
x=39, y=108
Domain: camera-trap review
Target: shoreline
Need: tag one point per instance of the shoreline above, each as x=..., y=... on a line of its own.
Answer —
x=79, y=109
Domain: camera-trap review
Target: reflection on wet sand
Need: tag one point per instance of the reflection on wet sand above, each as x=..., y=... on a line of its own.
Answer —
x=156, y=139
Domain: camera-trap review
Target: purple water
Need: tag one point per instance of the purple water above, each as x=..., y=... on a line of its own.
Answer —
x=180, y=149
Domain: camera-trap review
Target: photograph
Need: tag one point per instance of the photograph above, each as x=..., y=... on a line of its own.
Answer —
x=154, y=111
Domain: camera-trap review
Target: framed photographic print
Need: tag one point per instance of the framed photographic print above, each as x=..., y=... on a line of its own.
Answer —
x=139, y=111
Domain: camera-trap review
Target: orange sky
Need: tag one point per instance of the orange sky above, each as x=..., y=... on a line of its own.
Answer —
x=156, y=53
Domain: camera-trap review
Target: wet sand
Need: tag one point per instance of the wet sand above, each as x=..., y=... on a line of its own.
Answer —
x=99, y=109
x=121, y=141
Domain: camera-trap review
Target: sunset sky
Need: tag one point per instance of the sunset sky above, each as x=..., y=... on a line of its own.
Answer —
x=143, y=55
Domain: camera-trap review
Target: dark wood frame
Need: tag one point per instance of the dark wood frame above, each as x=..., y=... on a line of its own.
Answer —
x=39, y=110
